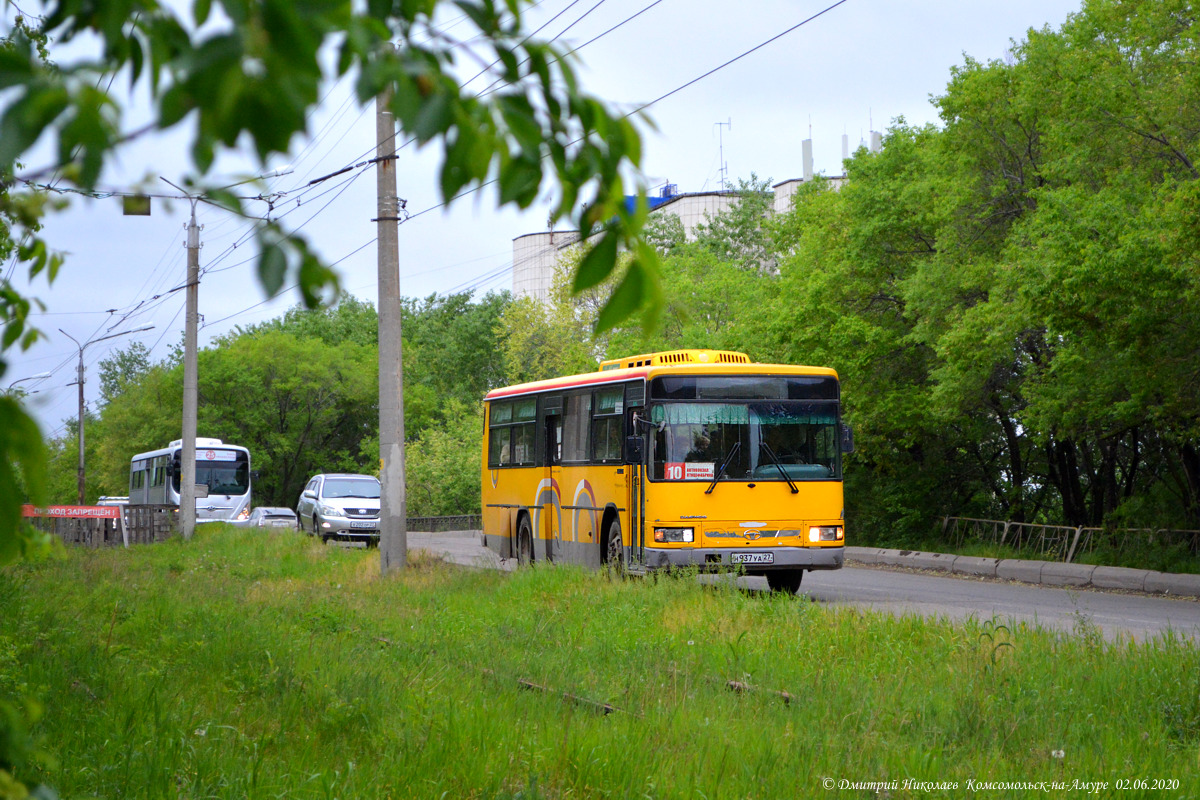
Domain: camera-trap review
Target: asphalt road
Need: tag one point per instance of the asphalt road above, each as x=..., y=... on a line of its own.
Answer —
x=900, y=592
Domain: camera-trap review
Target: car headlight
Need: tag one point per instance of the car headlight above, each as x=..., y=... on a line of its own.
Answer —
x=674, y=535
x=825, y=533
x=245, y=514
x=328, y=510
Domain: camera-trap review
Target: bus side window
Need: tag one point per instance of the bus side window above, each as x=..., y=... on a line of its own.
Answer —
x=575, y=428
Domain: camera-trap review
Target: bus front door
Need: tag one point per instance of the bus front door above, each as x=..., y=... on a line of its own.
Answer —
x=636, y=455
x=551, y=500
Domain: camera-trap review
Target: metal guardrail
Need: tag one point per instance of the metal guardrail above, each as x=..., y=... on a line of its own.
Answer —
x=461, y=522
x=148, y=524
x=1062, y=541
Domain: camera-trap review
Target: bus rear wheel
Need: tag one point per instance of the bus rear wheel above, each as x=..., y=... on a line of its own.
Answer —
x=614, y=548
x=785, y=581
x=524, y=542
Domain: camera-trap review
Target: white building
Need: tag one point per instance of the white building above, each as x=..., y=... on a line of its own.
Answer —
x=535, y=255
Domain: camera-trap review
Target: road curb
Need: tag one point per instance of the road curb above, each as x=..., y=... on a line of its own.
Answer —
x=976, y=565
x=1041, y=573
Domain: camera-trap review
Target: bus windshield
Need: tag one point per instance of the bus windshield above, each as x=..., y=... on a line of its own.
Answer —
x=753, y=441
x=221, y=477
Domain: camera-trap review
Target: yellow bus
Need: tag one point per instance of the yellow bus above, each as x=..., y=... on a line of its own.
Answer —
x=688, y=458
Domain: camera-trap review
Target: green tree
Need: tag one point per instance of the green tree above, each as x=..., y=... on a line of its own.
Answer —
x=451, y=355
x=122, y=368
x=444, y=466
x=740, y=234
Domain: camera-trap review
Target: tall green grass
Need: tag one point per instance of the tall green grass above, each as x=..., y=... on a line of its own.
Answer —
x=251, y=665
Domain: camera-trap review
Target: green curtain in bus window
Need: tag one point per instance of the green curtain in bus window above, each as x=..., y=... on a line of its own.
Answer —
x=525, y=410
x=610, y=401
x=501, y=413
x=701, y=414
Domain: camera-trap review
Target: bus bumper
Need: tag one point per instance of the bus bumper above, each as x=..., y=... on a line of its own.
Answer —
x=721, y=559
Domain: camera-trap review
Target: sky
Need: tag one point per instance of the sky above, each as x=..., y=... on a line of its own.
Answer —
x=854, y=69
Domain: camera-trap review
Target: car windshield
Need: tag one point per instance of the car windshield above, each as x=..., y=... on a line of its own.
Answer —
x=761, y=441
x=350, y=487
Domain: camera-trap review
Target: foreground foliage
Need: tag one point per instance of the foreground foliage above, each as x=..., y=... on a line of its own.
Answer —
x=250, y=665
x=244, y=75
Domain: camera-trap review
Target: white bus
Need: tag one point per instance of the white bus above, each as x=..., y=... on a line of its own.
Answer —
x=222, y=479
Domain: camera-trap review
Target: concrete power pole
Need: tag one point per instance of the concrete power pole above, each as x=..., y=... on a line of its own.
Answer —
x=393, y=537
x=187, y=456
x=81, y=474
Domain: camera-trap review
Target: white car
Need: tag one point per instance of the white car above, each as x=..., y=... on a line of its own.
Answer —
x=269, y=517
x=341, y=506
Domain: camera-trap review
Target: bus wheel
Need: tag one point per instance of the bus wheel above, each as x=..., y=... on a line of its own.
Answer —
x=614, y=548
x=524, y=542
x=786, y=581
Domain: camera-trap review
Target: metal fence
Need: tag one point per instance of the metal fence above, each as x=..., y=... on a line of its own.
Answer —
x=1064, y=541
x=462, y=522
x=139, y=525
x=149, y=524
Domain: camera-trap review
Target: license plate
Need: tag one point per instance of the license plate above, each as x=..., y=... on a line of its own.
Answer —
x=367, y=524
x=752, y=558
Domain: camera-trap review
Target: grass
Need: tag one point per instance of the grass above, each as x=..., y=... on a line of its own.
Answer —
x=244, y=664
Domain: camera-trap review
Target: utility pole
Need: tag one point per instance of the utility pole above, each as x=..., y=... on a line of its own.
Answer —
x=191, y=327
x=191, y=324
x=79, y=379
x=393, y=509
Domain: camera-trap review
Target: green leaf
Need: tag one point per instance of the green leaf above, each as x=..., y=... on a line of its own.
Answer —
x=16, y=67
x=597, y=264
x=433, y=118
x=22, y=471
x=520, y=179
x=625, y=300
x=26, y=118
x=200, y=11
x=272, y=267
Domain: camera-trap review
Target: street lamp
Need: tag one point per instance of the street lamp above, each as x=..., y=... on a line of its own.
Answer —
x=79, y=380
x=37, y=377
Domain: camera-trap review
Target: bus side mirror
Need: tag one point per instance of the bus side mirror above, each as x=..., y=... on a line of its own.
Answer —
x=171, y=469
x=847, y=439
x=635, y=450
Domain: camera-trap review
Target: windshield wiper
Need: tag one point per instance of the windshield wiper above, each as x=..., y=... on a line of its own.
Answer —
x=724, y=464
x=779, y=466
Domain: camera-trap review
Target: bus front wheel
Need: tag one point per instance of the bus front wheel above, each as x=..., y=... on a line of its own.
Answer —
x=524, y=542
x=785, y=581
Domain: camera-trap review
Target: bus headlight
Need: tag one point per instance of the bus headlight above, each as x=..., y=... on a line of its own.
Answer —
x=245, y=514
x=825, y=533
x=674, y=534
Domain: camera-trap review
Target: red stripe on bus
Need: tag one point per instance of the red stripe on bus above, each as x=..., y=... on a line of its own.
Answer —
x=565, y=383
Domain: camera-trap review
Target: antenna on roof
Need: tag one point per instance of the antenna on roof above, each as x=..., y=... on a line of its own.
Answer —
x=724, y=168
